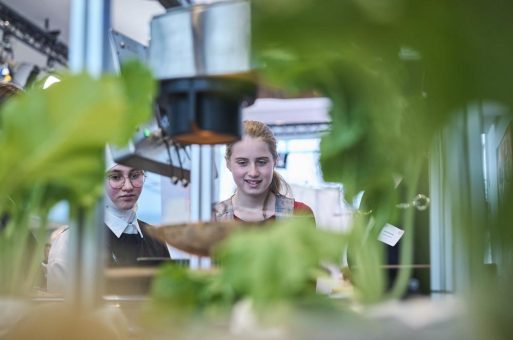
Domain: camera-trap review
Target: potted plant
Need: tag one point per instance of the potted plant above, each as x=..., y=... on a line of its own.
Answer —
x=52, y=143
x=397, y=73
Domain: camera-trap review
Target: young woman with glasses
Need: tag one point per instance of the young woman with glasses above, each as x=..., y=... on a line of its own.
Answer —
x=127, y=239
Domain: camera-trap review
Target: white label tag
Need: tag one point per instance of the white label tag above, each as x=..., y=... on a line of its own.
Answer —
x=390, y=234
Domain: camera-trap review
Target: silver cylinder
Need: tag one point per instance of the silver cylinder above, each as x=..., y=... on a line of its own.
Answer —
x=201, y=40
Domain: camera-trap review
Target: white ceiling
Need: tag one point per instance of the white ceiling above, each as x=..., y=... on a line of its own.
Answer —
x=129, y=17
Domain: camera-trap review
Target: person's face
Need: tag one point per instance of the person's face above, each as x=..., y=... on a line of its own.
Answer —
x=251, y=165
x=125, y=197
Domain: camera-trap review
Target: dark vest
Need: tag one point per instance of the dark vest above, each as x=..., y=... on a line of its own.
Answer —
x=125, y=250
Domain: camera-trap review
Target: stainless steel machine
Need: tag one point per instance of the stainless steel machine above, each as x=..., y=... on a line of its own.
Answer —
x=201, y=56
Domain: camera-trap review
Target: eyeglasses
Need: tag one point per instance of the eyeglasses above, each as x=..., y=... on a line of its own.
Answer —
x=117, y=181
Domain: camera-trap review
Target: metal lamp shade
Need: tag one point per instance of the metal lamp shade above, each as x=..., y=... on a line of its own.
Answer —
x=200, y=54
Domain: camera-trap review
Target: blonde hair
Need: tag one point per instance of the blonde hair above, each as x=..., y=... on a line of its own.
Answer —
x=256, y=129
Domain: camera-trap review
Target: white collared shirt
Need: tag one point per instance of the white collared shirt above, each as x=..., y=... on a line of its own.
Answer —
x=119, y=226
x=57, y=267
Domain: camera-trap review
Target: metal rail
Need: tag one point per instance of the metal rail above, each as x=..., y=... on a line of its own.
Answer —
x=45, y=42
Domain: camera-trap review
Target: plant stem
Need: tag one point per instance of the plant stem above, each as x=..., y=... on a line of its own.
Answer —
x=406, y=251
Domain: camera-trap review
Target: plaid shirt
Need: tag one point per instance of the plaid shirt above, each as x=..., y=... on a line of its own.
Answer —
x=223, y=211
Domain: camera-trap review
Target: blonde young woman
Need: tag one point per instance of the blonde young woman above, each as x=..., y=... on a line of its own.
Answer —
x=260, y=194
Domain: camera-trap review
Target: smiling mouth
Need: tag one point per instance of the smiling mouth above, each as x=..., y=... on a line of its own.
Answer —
x=253, y=182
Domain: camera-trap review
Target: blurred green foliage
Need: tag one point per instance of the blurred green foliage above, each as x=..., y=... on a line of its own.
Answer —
x=277, y=263
x=180, y=296
x=52, y=143
x=396, y=72
x=271, y=266
x=394, y=69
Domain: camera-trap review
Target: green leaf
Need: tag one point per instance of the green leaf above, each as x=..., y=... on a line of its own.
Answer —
x=52, y=144
x=278, y=263
x=58, y=135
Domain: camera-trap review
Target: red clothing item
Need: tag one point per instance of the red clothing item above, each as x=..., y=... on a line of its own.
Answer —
x=301, y=208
